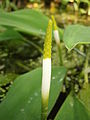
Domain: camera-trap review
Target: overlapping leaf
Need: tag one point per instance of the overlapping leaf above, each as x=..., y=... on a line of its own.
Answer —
x=29, y=21
x=73, y=109
x=23, y=101
x=10, y=34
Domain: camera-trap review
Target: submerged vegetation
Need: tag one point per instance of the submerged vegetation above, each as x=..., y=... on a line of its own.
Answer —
x=44, y=60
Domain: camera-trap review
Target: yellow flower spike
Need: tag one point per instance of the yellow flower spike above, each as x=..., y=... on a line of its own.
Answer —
x=56, y=33
x=57, y=39
x=54, y=23
x=47, y=44
x=46, y=73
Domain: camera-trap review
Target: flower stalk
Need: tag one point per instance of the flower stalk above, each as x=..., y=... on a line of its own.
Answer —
x=85, y=71
x=46, y=75
x=57, y=39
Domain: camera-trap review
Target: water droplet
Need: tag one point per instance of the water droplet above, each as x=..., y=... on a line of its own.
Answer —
x=60, y=80
x=53, y=77
x=29, y=101
x=36, y=94
x=22, y=110
x=71, y=104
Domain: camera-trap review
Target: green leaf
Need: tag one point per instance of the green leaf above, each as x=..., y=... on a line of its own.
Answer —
x=76, y=34
x=29, y=21
x=84, y=96
x=73, y=109
x=10, y=34
x=26, y=20
x=2, y=28
x=23, y=101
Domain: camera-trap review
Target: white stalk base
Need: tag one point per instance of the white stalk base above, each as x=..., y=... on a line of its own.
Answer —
x=46, y=78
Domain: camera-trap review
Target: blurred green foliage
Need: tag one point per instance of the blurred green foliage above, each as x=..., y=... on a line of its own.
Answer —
x=22, y=34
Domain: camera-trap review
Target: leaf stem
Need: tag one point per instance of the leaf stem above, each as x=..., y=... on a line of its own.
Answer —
x=34, y=45
x=79, y=52
x=85, y=71
x=60, y=54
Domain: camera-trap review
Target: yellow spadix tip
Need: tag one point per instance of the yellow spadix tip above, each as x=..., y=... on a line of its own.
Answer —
x=54, y=23
x=48, y=41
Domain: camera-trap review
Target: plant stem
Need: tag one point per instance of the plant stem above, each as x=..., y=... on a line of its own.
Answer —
x=44, y=109
x=60, y=54
x=79, y=52
x=22, y=66
x=34, y=45
x=85, y=72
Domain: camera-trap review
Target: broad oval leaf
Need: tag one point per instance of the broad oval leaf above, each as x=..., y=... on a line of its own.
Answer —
x=73, y=109
x=76, y=34
x=23, y=101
